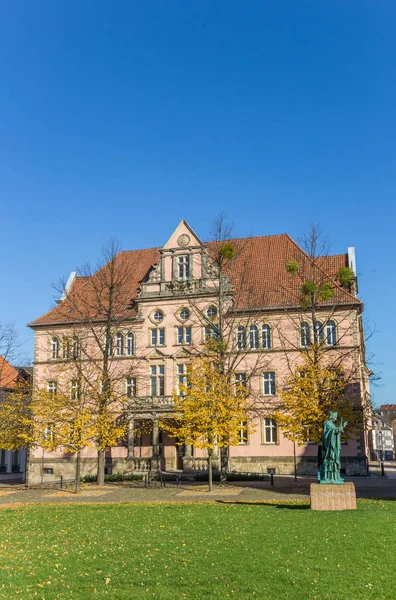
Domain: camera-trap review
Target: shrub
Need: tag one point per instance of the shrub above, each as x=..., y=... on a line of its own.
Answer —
x=344, y=276
x=113, y=477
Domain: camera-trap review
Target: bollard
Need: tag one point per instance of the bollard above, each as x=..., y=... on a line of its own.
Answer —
x=382, y=468
x=61, y=481
x=272, y=479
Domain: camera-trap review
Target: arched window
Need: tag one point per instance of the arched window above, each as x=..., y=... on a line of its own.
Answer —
x=241, y=338
x=331, y=333
x=253, y=337
x=55, y=347
x=65, y=347
x=305, y=335
x=130, y=349
x=319, y=331
x=76, y=348
x=266, y=337
x=119, y=344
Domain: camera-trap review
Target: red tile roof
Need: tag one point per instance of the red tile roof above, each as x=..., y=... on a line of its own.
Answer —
x=8, y=374
x=258, y=275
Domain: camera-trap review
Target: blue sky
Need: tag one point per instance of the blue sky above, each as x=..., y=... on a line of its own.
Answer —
x=119, y=118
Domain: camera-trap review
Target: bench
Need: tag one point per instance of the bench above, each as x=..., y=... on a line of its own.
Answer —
x=164, y=475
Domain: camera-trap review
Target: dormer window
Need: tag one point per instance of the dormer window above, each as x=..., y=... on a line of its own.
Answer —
x=183, y=267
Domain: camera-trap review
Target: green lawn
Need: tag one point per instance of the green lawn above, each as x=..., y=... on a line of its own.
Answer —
x=194, y=551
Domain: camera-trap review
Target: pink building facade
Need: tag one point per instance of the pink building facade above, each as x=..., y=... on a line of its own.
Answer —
x=173, y=309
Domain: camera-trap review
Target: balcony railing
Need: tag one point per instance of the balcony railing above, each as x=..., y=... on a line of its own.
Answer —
x=151, y=401
x=184, y=287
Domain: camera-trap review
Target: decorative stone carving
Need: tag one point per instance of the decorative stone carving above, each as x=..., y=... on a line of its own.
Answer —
x=183, y=240
x=155, y=274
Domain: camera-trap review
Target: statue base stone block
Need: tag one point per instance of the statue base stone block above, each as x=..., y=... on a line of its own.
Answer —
x=328, y=496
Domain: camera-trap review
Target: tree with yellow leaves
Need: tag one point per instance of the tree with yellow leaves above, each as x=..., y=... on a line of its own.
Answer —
x=208, y=410
x=16, y=422
x=67, y=419
x=315, y=387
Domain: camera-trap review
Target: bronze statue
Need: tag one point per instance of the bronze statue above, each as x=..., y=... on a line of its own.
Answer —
x=329, y=470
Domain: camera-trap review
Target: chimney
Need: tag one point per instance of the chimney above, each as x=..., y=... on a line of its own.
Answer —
x=352, y=266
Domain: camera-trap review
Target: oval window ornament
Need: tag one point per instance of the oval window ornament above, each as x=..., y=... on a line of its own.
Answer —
x=183, y=240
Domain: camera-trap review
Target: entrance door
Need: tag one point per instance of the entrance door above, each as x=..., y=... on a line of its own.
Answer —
x=179, y=457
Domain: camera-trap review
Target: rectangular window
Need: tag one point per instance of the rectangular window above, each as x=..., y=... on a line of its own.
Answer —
x=270, y=431
x=157, y=380
x=211, y=331
x=51, y=387
x=49, y=433
x=269, y=387
x=243, y=434
x=181, y=377
x=184, y=335
x=183, y=267
x=240, y=383
x=158, y=336
x=74, y=389
x=130, y=386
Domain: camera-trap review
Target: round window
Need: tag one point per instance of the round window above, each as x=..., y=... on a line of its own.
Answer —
x=211, y=312
x=158, y=316
x=184, y=314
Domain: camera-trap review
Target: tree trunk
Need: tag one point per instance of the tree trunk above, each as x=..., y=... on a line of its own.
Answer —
x=223, y=464
x=101, y=467
x=210, y=471
x=78, y=472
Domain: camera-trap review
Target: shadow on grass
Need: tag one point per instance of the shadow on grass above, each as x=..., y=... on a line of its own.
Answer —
x=286, y=505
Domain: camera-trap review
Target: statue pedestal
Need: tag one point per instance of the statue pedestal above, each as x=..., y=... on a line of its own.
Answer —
x=332, y=496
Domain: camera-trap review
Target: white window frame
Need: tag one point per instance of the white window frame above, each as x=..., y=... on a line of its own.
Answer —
x=243, y=434
x=211, y=331
x=181, y=374
x=305, y=335
x=271, y=426
x=319, y=331
x=240, y=379
x=119, y=350
x=183, y=335
x=155, y=336
x=52, y=387
x=183, y=267
x=241, y=337
x=254, y=342
x=75, y=389
x=130, y=345
x=130, y=387
x=331, y=332
x=266, y=334
x=186, y=316
x=269, y=377
x=55, y=348
x=75, y=348
x=157, y=380
x=211, y=312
